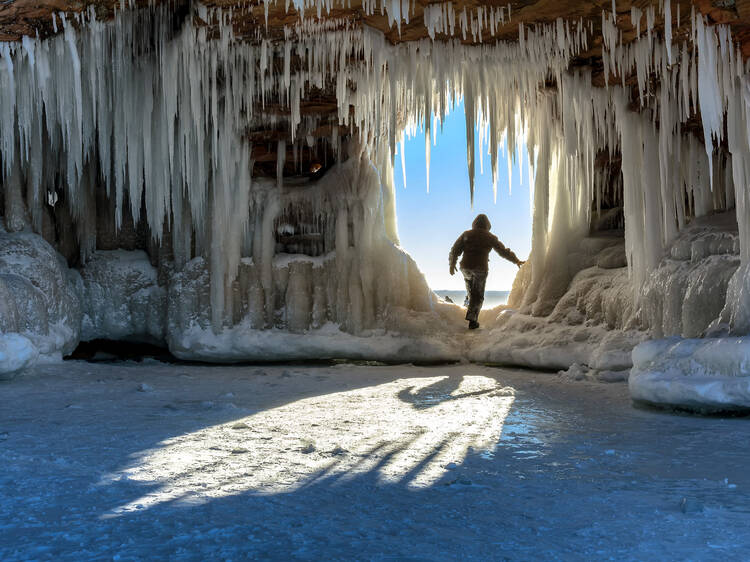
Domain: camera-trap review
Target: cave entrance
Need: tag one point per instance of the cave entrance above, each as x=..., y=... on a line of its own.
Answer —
x=430, y=221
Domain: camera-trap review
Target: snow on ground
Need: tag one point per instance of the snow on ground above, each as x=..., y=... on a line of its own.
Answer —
x=144, y=460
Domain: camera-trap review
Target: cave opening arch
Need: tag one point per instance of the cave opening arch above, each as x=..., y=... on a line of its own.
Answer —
x=431, y=215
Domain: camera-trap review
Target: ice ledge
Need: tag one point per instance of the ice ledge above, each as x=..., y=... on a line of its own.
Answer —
x=697, y=374
x=243, y=343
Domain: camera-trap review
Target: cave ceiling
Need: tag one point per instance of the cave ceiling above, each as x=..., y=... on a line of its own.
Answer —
x=251, y=21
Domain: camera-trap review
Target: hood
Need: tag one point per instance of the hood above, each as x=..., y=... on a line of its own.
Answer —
x=481, y=222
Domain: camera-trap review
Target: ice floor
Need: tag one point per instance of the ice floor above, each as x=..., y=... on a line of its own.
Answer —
x=132, y=460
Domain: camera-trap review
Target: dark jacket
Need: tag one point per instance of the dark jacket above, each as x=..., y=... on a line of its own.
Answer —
x=476, y=245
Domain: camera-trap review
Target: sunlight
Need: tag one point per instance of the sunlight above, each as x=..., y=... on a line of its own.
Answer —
x=406, y=431
x=429, y=221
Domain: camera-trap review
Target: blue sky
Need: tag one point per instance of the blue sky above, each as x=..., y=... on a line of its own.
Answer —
x=429, y=223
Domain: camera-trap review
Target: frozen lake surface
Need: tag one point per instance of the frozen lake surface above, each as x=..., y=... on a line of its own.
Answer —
x=491, y=298
x=149, y=460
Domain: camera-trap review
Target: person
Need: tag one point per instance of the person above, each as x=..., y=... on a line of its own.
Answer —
x=476, y=245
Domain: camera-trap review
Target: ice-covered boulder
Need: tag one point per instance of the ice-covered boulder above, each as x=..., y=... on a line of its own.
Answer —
x=16, y=353
x=39, y=295
x=594, y=323
x=700, y=374
x=121, y=298
x=687, y=293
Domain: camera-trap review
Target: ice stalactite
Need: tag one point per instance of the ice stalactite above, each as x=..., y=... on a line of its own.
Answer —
x=159, y=122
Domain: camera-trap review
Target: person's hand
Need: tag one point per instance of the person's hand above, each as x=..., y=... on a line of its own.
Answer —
x=520, y=263
x=453, y=269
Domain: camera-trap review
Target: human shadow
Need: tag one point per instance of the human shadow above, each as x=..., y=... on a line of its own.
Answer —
x=438, y=392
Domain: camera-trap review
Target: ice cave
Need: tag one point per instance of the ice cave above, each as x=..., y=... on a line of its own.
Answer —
x=217, y=178
x=215, y=344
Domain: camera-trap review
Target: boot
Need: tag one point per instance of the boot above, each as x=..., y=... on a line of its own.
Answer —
x=473, y=325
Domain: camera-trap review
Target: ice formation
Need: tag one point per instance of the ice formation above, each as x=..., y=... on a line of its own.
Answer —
x=702, y=374
x=39, y=302
x=152, y=130
x=137, y=134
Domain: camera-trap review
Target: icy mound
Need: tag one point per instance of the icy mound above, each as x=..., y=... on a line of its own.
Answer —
x=121, y=298
x=687, y=292
x=16, y=353
x=38, y=295
x=541, y=343
x=698, y=374
x=245, y=343
x=594, y=322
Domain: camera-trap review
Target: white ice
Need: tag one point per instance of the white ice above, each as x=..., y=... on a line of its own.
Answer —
x=149, y=460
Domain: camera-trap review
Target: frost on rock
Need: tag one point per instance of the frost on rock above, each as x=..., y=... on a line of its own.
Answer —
x=711, y=374
x=39, y=298
x=121, y=298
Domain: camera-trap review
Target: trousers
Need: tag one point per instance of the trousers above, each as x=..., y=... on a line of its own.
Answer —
x=475, y=280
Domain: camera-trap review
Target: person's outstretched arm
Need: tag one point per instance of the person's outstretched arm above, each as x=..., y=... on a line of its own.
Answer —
x=506, y=253
x=456, y=250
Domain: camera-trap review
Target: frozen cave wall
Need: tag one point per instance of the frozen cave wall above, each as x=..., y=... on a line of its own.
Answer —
x=347, y=290
x=139, y=150
x=131, y=146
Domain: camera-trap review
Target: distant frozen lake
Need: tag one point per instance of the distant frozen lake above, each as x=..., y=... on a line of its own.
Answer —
x=491, y=298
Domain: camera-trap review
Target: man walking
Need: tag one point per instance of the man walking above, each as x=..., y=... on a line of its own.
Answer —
x=476, y=245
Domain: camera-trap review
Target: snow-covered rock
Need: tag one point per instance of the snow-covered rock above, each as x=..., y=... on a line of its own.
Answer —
x=16, y=353
x=687, y=292
x=121, y=298
x=39, y=295
x=699, y=374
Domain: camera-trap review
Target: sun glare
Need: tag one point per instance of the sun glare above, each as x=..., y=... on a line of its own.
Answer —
x=402, y=433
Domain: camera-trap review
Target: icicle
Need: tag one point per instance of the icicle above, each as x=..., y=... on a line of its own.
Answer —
x=469, y=112
x=668, y=29
x=709, y=98
x=427, y=141
x=280, y=161
x=402, y=151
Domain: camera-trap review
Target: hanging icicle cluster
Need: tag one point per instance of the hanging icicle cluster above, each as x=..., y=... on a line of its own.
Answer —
x=156, y=112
